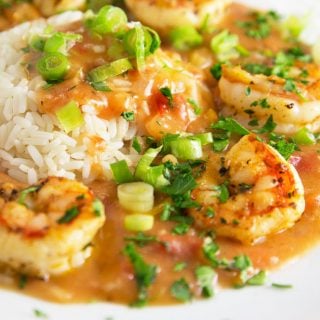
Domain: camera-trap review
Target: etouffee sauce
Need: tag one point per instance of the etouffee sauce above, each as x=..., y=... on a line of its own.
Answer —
x=108, y=274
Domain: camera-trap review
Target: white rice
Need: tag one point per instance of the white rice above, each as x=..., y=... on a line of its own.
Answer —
x=32, y=144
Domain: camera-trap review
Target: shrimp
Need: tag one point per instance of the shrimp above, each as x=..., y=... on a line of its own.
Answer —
x=266, y=195
x=51, y=7
x=47, y=229
x=174, y=13
x=291, y=110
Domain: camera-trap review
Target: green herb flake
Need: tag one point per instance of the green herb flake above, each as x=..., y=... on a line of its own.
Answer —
x=97, y=207
x=269, y=126
x=258, y=279
x=180, y=266
x=181, y=229
x=22, y=282
x=136, y=145
x=210, y=213
x=223, y=192
x=69, y=215
x=231, y=125
x=142, y=239
x=40, y=314
x=100, y=86
x=247, y=91
x=205, y=277
x=216, y=71
x=282, y=286
x=196, y=108
x=166, y=92
x=210, y=251
x=145, y=274
x=128, y=116
x=24, y=193
x=180, y=290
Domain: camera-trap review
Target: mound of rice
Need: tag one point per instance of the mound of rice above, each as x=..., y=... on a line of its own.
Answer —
x=32, y=144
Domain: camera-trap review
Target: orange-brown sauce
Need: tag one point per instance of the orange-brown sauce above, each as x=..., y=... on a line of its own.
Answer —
x=108, y=274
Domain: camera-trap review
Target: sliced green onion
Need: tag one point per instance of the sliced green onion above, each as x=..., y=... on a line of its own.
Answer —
x=293, y=26
x=205, y=138
x=136, y=196
x=224, y=46
x=136, y=42
x=37, y=43
x=54, y=44
x=154, y=176
x=145, y=162
x=109, y=20
x=70, y=116
x=186, y=148
x=109, y=70
x=304, y=137
x=53, y=66
x=155, y=40
x=121, y=172
x=138, y=222
x=185, y=38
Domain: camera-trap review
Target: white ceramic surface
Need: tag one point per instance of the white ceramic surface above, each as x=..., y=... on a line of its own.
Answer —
x=302, y=302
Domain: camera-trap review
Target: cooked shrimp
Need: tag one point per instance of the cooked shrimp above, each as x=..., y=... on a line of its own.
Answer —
x=51, y=7
x=266, y=193
x=291, y=110
x=164, y=15
x=47, y=229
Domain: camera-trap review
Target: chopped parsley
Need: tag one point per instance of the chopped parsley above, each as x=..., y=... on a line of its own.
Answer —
x=100, y=86
x=97, y=207
x=22, y=282
x=180, y=290
x=136, y=145
x=230, y=125
x=269, y=126
x=128, y=115
x=40, y=314
x=263, y=103
x=247, y=91
x=141, y=239
x=166, y=92
x=223, y=192
x=205, y=277
x=145, y=274
x=69, y=215
x=197, y=109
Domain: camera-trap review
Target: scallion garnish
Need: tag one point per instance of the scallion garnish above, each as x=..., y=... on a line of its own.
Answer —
x=109, y=20
x=188, y=148
x=70, y=116
x=69, y=215
x=185, y=37
x=121, y=172
x=180, y=290
x=53, y=66
x=205, y=277
x=109, y=70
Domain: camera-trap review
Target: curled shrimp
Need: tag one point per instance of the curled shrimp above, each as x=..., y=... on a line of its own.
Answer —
x=291, y=109
x=266, y=195
x=47, y=228
x=170, y=14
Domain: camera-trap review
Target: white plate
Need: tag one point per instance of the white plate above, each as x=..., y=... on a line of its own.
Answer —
x=263, y=303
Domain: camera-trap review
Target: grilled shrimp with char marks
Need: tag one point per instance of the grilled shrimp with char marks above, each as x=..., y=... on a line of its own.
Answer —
x=291, y=110
x=47, y=229
x=164, y=15
x=266, y=193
